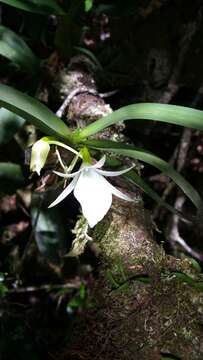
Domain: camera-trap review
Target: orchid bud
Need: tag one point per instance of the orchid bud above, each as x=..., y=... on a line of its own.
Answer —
x=39, y=154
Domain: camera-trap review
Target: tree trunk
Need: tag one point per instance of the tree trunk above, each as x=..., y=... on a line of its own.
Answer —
x=140, y=309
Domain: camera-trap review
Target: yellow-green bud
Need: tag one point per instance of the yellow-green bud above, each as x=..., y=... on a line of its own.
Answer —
x=40, y=151
x=85, y=155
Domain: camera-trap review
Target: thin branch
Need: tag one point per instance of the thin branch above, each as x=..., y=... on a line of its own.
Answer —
x=174, y=235
x=45, y=287
x=70, y=96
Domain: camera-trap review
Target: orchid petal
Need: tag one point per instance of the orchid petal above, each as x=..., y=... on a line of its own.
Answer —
x=99, y=163
x=118, y=193
x=65, y=192
x=115, y=173
x=94, y=195
x=67, y=176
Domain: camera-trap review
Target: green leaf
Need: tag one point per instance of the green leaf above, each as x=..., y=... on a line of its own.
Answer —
x=137, y=180
x=34, y=112
x=82, y=291
x=3, y=290
x=178, y=115
x=73, y=304
x=16, y=50
x=184, y=278
x=88, y=5
x=195, y=264
x=144, y=279
x=189, y=280
x=142, y=155
x=68, y=31
x=36, y=6
x=10, y=123
x=169, y=357
x=11, y=177
x=133, y=177
x=48, y=227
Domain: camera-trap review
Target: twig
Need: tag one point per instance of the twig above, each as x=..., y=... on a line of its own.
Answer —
x=45, y=287
x=174, y=235
x=183, y=148
x=70, y=96
x=108, y=93
x=180, y=152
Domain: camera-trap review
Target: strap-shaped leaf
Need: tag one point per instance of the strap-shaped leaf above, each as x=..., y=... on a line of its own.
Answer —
x=9, y=125
x=33, y=111
x=36, y=6
x=16, y=50
x=11, y=177
x=137, y=180
x=142, y=155
x=178, y=115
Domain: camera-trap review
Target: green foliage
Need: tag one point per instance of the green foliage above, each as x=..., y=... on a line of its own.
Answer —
x=19, y=338
x=37, y=6
x=197, y=284
x=138, y=181
x=79, y=301
x=38, y=114
x=11, y=177
x=68, y=31
x=88, y=5
x=10, y=123
x=195, y=265
x=33, y=111
x=3, y=287
x=48, y=228
x=16, y=50
x=169, y=357
x=172, y=114
x=139, y=154
x=122, y=283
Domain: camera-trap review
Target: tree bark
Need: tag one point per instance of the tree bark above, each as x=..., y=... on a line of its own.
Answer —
x=139, y=308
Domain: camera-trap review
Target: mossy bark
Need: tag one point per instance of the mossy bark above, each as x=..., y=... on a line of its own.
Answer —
x=139, y=308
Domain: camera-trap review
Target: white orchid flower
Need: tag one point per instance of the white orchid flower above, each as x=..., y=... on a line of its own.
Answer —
x=92, y=190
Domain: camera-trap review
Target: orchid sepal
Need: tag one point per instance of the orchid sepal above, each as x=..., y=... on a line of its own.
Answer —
x=92, y=190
